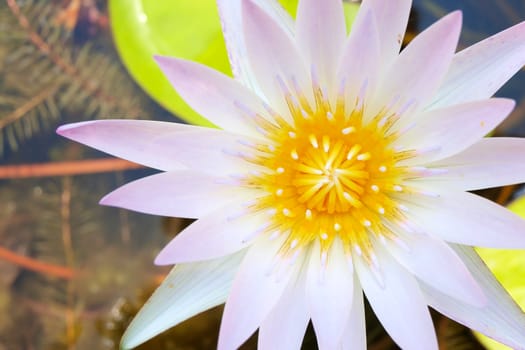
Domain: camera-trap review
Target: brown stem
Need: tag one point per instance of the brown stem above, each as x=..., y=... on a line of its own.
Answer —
x=78, y=167
x=36, y=265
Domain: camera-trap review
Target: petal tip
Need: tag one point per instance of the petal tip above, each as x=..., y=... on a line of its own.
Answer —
x=162, y=60
x=106, y=200
x=130, y=341
x=66, y=129
x=162, y=259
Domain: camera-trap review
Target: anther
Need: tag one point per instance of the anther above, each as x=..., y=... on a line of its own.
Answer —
x=308, y=214
x=279, y=192
x=294, y=243
x=406, y=106
x=329, y=115
x=326, y=143
x=374, y=188
x=353, y=201
x=348, y=130
x=313, y=141
x=274, y=235
x=364, y=156
x=403, y=208
x=287, y=212
x=292, y=134
x=398, y=188
x=294, y=154
x=381, y=210
x=324, y=256
x=324, y=235
x=305, y=114
x=246, y=143
x=367, y=223
x=353, y=151
x=280, y=170
x=382, y=169
x=271, y=211
x=337, y=226
x=294, y=257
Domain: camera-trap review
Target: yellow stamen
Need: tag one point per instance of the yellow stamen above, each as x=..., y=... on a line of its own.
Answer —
x=338, y=172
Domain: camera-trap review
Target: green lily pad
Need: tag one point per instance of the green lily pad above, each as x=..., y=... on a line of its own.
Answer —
x=509, y=268
x=184, y=28
x=187, y=29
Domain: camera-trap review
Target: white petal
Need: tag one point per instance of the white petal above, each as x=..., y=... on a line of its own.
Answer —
x=354, y=336
x=501, y=319
x=231, y=18
x=465, y=218
x=160, y=145
x=254, y=293
x=188, y=290
x=477, y=72
x=434, y=262
x=417, y=72
x=391, y=18
x=272, y=54
x=455, y=128
x=361, y=59
x=321, y=33
x=212, y=94
x=284, y=327
x=398, y=303
x=491, y=162
x=329, y=291
x=217, y=234
x=184, y=194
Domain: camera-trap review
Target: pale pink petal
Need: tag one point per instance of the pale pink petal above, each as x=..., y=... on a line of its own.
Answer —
x=212, y=151
x=501, y=319
x=434, y=262
x=212, y=94
x=320, y=33
x=354, y=336
x=255, y=292
x=417, y=72
x=219, y=233
x=272, y=54
x=477, y=72
x=160, y=145
x=231, y=19
x=183, y=194
x=188, y=290
x=397, y=296
x=453, y=129
x=284, y=327
x=491, y=162
x=361, y=58
x=465, y=218
x=391, y=18
x=134, y=140
x=329, y=291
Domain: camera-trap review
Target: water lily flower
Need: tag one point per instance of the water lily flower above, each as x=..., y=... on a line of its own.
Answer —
x=341, y=165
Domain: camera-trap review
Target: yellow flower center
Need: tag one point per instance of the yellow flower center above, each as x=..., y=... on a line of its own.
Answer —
x=329, y=173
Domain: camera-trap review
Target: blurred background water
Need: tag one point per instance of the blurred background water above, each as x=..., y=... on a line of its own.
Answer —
x=73, y=273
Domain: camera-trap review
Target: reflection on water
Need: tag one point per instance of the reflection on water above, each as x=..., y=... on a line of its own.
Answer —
x=72, y=273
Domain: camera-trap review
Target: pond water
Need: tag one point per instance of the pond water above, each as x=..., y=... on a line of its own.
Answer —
x=73, y=273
